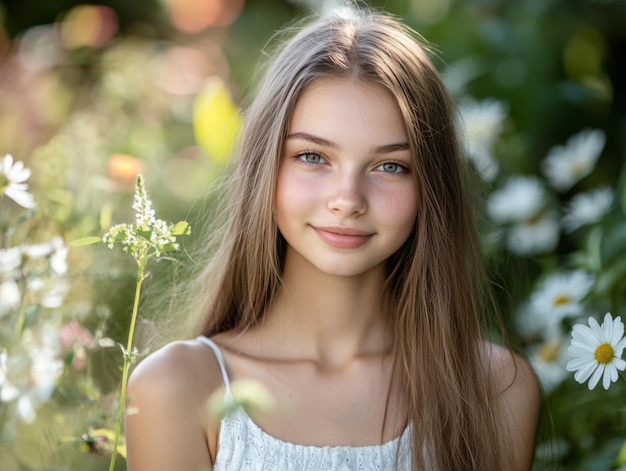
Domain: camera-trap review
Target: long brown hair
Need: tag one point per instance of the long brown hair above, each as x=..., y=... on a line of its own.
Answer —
x=433, y=288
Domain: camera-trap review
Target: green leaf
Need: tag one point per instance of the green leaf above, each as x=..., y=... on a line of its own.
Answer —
x=612, y=275
x=85, y=241
x=614, y=243
x=180, y=228
x=621, y=456
x=144, y=234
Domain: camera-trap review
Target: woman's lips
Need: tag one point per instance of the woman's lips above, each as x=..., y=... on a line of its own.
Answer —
x=343, y=237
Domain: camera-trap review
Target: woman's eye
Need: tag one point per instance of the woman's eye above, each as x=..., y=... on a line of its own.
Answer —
x=311, y=158
x=391, y=167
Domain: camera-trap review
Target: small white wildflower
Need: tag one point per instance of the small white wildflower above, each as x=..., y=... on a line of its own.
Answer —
x=10, y=260
x=482, y=123
x=49, y=292
x=560, y=295
x=58, y=258
x=54, y=250
x=534, y=236
x=144, y=214
x=148, y=236
x=10, y=296
x=597, y=351
x=566, y=165
x=13, y=178
x=520, y=199
x=36, y=251
x=29, y=374
x=587, y=208
x=548, y=360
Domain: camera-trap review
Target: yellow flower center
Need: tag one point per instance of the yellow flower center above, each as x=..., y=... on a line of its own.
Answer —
x=549, y=351
x=604, y=353
x=561, y=300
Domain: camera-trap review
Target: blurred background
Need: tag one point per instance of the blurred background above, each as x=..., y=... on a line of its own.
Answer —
x=93, y=93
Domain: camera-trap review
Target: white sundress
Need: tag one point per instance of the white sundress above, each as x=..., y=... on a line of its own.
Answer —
x=243, y=445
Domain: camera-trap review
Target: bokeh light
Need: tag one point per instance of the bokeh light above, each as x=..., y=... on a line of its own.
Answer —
x=88, y=25
x=193, y=16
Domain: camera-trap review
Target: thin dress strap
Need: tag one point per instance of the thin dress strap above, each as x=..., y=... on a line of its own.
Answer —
x=220, y=361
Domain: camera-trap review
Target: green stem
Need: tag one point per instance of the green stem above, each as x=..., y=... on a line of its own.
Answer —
x=20, y=320
x=127, y=362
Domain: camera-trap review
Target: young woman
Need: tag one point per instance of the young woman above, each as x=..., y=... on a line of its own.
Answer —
x=348, y=283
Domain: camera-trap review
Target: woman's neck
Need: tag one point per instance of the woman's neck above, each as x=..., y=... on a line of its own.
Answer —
x=329, y=319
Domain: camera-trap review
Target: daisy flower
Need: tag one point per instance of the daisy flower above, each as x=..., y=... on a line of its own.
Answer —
x=482, y=123
x=587, y=208
x=13, y=178
x=548, y=359
x=560, y=295
x=597, y=351
x=566, y=165
x=520, y=199
x=534, y=236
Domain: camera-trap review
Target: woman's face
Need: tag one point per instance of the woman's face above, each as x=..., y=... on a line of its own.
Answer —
x=346, y=197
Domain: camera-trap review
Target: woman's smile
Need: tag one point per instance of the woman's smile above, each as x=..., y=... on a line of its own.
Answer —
x=343, y=237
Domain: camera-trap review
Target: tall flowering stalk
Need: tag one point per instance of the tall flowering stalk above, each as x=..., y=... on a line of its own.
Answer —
x=148, y=237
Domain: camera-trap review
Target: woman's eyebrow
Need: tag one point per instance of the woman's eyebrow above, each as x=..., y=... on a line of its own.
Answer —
x=388, y=148
x=384, y=149
x=305, y=136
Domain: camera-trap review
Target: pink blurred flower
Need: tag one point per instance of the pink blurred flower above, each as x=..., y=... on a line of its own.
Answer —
x=77, y=338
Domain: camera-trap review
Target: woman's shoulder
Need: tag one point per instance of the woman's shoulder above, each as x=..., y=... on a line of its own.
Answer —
x=519, y=397
x=509, y=370
x=187, y=365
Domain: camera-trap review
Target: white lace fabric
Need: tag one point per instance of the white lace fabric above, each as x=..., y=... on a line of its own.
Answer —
x=243, y=445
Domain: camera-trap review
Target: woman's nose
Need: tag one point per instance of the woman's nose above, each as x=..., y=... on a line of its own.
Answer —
x=347, y=195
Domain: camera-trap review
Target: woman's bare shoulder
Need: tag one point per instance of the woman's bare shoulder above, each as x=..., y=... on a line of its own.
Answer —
x=168, y=391
x=519, y=396
x=178, y=365
x=510, y=371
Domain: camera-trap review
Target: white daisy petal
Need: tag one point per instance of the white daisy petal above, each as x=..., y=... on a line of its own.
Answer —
x=597, y=330
x=618, y=331
x=583, y=374
x=584, y=334
x=578, y=364
x=619, y=364
x=13, y=176
x=520, y=199
x=576, y=350
x=619, y=347
x=595, y=377
x=566, y=165
x=606, y=378
x=587, y=208
x=607, y=327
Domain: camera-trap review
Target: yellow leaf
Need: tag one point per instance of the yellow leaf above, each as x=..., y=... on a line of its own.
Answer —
x=215, y=120
x=110, y=436
x=104, y=432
